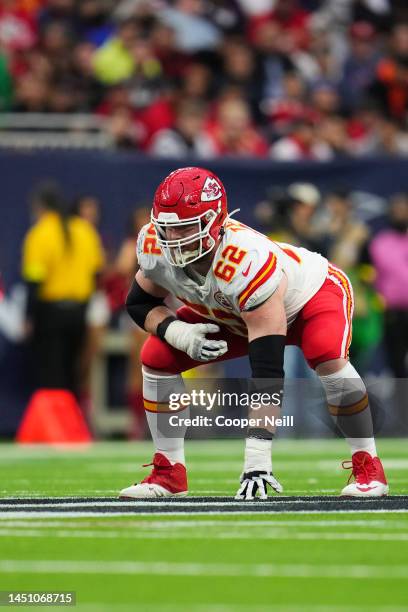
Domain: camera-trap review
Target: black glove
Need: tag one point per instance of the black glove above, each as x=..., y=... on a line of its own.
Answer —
x=257, y=481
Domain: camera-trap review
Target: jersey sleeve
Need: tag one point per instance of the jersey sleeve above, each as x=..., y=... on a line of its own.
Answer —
x=148, y=251
x=256, y=276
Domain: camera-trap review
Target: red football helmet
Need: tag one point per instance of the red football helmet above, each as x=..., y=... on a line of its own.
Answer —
x=189, y=199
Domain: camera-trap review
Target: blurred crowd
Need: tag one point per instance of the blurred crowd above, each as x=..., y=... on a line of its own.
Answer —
x=375, y=261
x=285, y=79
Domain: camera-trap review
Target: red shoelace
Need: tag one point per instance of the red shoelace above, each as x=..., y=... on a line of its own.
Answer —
x=363, y=469
x=157, y=468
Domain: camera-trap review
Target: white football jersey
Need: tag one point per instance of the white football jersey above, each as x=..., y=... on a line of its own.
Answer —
x=247, y=268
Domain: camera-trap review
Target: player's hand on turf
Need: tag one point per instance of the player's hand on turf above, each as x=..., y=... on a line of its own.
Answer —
x=191, y=338
x=257, y=481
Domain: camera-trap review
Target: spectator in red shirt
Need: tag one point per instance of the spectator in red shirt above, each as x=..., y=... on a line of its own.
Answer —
x=232, y=132
x=17, y=28
x=283, y=110
x=290, y=17
x=157, y=116
x=301, y=144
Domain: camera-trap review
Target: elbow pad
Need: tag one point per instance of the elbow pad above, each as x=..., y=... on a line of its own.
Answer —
x=139, y=303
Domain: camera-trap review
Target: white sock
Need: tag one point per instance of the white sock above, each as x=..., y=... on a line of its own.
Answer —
x=258, y=455
x=343, y=389
x=362, y=444
x=168, y=440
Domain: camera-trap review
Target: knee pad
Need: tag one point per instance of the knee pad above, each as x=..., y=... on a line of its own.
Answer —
x=345, y=391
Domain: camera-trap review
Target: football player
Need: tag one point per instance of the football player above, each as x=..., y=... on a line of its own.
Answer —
x=243, y=295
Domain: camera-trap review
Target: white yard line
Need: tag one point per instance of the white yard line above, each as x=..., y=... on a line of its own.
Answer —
x=152, y=525
x=88, y=514
x=264, y=534
x=186, y=502
x=261, y=570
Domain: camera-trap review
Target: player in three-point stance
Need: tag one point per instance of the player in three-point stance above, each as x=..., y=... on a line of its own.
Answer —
x=243, y=295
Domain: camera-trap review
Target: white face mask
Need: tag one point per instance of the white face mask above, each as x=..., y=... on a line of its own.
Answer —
x=182, y=251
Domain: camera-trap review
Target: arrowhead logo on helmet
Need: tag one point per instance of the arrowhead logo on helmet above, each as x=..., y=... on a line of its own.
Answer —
x=198, y=203
x=211, y=190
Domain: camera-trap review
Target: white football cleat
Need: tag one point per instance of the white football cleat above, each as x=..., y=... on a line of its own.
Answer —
x=368, y=472
x=165, y=480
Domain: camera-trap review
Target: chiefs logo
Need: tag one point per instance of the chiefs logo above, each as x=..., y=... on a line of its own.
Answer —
x=222, y=300
x=211, y=190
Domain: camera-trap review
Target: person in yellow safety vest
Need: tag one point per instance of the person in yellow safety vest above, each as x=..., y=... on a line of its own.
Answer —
x=62, y=256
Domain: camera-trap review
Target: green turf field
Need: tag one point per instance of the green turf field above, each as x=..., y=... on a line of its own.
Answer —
x=204, y=562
